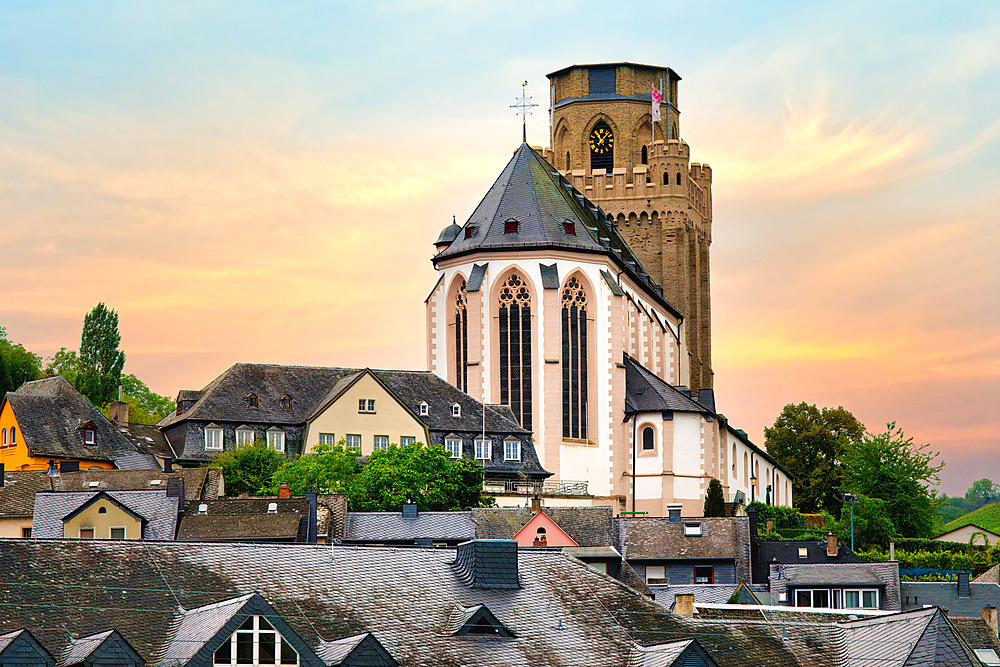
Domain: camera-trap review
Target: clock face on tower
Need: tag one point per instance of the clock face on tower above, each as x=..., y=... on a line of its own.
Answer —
x=601, y=140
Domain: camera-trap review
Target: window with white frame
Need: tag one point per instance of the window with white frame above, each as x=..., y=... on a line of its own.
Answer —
x=353, y=440
x=13, y=436
x=90, y=437
x=424, y=410
x=213, y=438
x=692, y=529
x=3, y=432
x=456, y=410
x=326, y=439
x=861, y=598
x=381, y=441
x=453, y=446
x=366, y=405
x=406, y=440
x=656, y=573
x=256, y=642
x=512, y=450
x=276, y=440
x=484, y=449
x=816, y=597
x=244, y=436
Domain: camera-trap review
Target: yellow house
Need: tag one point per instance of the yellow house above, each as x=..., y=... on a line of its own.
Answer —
x=103, y=518
x=48, y=420
x=106, y=515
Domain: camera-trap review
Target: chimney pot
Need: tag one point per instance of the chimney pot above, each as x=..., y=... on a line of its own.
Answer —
x=684, y=604
x=283, y=491
x=831, y=545
x=536, y=505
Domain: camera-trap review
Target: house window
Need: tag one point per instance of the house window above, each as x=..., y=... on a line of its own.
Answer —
x=366, y=405
x=692, y=529
x=818, y=598
x=381, y=442
x=484, y=449
x=510, y=226
x=326, y=439
x=89, y=436
x=4, y=436
x=456, y=410
x=86, y=533
x=102, y=510
x=647, y=438
x=244, y=436
x=644, y=158
x=26, y=532
x=678, y=178
x=286, y=402
x=803, y=552
x=117, y=533
x=13, y=436
x=574, y=360
x=515, y=348
x=276, y=440
x=656, y=574
x=461, y=339
x=453, y=446
x=861, y=598
x=213, y=439
x=354, y=441
x=512, y=450
x=407, y=440
x=569, y=227
x=424, y=410
x=252, y=401
x=704, y=574
x=256, y=642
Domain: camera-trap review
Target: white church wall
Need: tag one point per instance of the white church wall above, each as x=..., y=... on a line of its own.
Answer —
x=687, y=443
x=649, y=488
x=687, y=488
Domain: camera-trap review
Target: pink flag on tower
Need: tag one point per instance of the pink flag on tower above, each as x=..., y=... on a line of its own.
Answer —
x=657, y=97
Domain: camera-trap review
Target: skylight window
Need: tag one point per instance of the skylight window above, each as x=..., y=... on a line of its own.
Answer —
x=272, y=508
x=692, y=529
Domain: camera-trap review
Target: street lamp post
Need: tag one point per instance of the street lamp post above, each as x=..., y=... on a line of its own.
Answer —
x=852, y=500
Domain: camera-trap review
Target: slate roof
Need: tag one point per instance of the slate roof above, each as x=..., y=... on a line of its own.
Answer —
x=159, y=511
x=588, y=526
x=392, y=527
x=245, y=519
x=845, y=574
x=645, y=392
x=49, y=414
x=192, y=627
x=703, y=593
x=916, y=594
x=564, y=613
x=657, y=538
x=541, y=200
x=81, y=648
x=787, y=551
x=990, y=576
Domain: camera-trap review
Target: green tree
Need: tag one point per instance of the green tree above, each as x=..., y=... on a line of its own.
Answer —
x=890, y=467
x=983, y=491
x=389, y=478
x=17, y=365
x=101, y=361
x=715, y=502
x=872, y=525
x=248, y=469
x=64, y=362
x=810, y=444
x=144, y=405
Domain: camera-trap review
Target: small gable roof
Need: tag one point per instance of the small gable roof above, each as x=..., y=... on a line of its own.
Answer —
x=686, y=653
x=104, y=496
x=478, y=620
x=363, y=649
x=21, y=648
x=107, y=647
x=645, y=392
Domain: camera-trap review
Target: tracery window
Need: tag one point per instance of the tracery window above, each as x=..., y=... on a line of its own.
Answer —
x=461, y=339
x=515, y=348
x=574, y=360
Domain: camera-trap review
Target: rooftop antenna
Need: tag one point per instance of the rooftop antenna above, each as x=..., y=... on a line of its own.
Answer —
x=524, y=104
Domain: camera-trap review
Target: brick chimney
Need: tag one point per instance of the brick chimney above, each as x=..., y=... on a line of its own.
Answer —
x=119, y=412
x=831, y=545
x=283, y=491
x=684, y=604
x=989, y=615
x=536, y=505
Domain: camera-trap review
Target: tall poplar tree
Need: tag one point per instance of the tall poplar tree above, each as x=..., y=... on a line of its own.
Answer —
x=101, y=362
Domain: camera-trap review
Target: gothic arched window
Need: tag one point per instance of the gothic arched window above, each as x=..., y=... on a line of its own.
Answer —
x=678, y=178
x=666, y=178
x=574, y=360
x=602, y=147
x=645, y=156
x=567, y=160
x=461, y=339
x=515, y=348
x=647, y=438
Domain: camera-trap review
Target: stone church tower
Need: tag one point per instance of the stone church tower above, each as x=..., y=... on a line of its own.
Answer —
x=602, y=142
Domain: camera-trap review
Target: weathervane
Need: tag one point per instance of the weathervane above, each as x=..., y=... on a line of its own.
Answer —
x=523, y=104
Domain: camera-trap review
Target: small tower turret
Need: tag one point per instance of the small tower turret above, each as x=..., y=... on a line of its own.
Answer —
x=447, y=235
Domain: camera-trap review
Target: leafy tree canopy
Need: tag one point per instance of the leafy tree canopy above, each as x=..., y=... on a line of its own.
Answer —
x=249, y=469
x=100, y=362
x=810, y=443
x=17, y=365
x=891, y=468
x=715, y=502
x=64, y=362
x=392, y=476
x=144, y=405
x=983, y=489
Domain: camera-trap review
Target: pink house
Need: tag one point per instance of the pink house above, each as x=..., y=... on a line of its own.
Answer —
x=541, y=531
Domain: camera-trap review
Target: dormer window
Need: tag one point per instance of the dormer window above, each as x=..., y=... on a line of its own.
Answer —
x=89, y=436
x=286, y=402
x=424, y=410
x=256, y=642
x=456, y=410
x=252, y=401
x=569, y=227
x=272, y=508
x=470, y=231
x=510, y=226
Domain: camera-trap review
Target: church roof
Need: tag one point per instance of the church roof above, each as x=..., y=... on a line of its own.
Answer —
x=645, y=392
x=530, y=206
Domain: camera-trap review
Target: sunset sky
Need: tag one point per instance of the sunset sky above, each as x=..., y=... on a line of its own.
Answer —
x=263, y=181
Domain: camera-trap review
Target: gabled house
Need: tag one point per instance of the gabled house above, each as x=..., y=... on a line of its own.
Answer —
x=103, y=515
x=46, y=420
x=251, y=520
x=295, y=408
x=960, y=598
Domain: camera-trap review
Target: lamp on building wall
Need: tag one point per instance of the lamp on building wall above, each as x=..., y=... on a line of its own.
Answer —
x=753, y=486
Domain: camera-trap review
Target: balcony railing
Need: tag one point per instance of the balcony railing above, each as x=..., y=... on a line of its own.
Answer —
x=524, y=488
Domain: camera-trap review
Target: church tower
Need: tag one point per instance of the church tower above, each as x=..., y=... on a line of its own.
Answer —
x=607, y=144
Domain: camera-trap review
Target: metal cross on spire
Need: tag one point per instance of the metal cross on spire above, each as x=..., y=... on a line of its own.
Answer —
x=523, y=105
